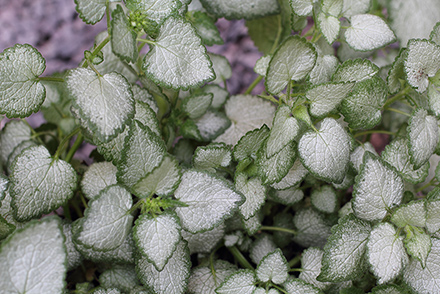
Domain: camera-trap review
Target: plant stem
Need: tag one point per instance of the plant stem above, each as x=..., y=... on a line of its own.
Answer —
x=432, y=181
x=64, y=141
x=397, y=111
x=253, y=85
x=294, y=261
x=66, y=211
x=374, y=132
x=280, y=289
x=51, y=79
x=146, y=41
x=75, y=146
x=397, y=96
x=240, y=258
x=278, y=229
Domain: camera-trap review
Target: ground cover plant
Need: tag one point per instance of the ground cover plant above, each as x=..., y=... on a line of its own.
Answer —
x=194, y=190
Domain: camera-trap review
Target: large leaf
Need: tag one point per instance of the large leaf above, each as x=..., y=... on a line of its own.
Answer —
x=104, y=103
x=33, y=259
x=178, y=59
x=40, y=183
x=209, y=200
x=20, y=91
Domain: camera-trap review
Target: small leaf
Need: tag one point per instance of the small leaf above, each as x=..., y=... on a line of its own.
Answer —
x=204, y=281
x=313, y=229
x=433, y=215
x=104, y=103
x=435, y=34
x=397, y=72
x=209, y=200
x=122, y=277
x=221, y=67
x=177, y=62
x=294, y=286
x=205, y=27
x=324, y=199
x=204, y=242
x=99, y=176
x=423, y=136
x=418, y=244
x=288, y=196
x=21, y=93
x=368, y=32
x=311, y=259
x=162, y=180
x=153, y=9
x=273, y=267
x=345, y=250
x=274, y=169
x=301, y=7
x=246, y=113
x=261, y=247
x=156, y=237
x=378, y=189
x=106, y=221
x=196, y=106
x=355, y=70
x=292, y=61
x=40, y=183
x=74, y=257
x=325, y=67
x=353, y=7
x=326, y=153
x=212, y=156
x=295, y=175
x=13, y=133
x=329, y=26
x=206, y=128
x=357, y=156
x=422, y=62
x=425, y=280
x=324, y=98
x=263, y=31
x=385, y=253
x=250, y=143
x=123, y=38
x=173, y=279
x=242, y=281
x=413, y=214
x=254, y=192
x=91, y=12
x=220, y=95
x=247, y=9
x=33, y=259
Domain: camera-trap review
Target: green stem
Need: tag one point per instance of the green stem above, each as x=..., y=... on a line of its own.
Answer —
x=75, y=146
x=296, y=270
x=374, y=132
x=107, y=12
x=66, y=139
x=432, y=181
x=240, y=258
x=289, y=91
x=397, y=96
x=278, y=37
x=296, y=260
x=270, y=98
x=397, y=111
x=83, y=200
x=280, y=289
x=51, y=79
x=253, y=85
x=279, y=229
x=146, y=41
x=66, y=210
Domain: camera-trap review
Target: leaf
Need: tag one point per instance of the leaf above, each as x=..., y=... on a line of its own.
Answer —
x=242, y=281
x=196, y=106
x=423, y=137
x=324, y=68
x=143, y=151
x=253, y=224
x=311, y=267
x=153, y=9
x=5, y=228
x=353, y=7
x=21, y=93
x=273, y=267
x=254, y=192
x=287, y=196
x=368, y=32
x=99, y=176
x=162, y=180
x=355, y=70
x=362, y=107
x=33, y=259
x=204, y=281
x=329, y=26
x=345, y=250
x=397, y=72
x=324, y=98
x=107, y=220
x=301, y=7
x=156, y=237
x=284, y=130
x=212, y=156
x=176, y=61
x=40, y=183
x=274, y=169
x=397, y=154
x=377, y=190
x=221, y=67
x=385, y=253
x=425, y=280
x=17, y=151
x=357, y=156
x=246, y=113
x=105, y=103
x=91, y=12
x=247, y=9
x=418, y=244
x=206, y=128
x=299, y=286
x=74, y=257
x=433, y=215
x=434, y=98
x=422, y=62
x=326, y=153
x=261, y=247
x=313, y=229
x=12, y=134
x=205, y=27
x=324, y=199
x=209, y=200
x=250, y=143
x=295, y=175
x=173, y=279
x=220, y=95
x=122, y=277
x=292, y=61
x=413, y=214
x=123, y=37
x=263, y=32
x=204, y=242
x=435, y=34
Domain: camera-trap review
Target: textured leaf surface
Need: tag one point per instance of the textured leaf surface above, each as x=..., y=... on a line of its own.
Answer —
x=329, y=26
x=324, y=199
x=246, y=113
x=39, y=183
x=285, y=129
x=273, y=169
x=368, y=32
x=423, y=136
x=345, y=249
x=157, y=237
x=178, y=59
x=153, y=9
x=385, y=252
x=99, y=176
x=311, y=259
x=273, y=267
x=325, y=66
x=325, y=98
x=33, y=259
x=422, y=62
x=91, y=11
x=104, y=103
x=74, y=257
x=313, y=230
x=433, y=216
x=326, y=153
x=241, y=281
x=212, y=156
x=121, y=277
x=425, y=280
x=13, y=133
x=221, y=67
x=418, y=245
x=20, y=91
x=205, y=26
x=294, y=286
x=413, y=213
x=353, y=7
x=196, y=106
x=173, y=278
x=355, y=71
x=295, y=175
x=378, y=189
x=204, y=242
x=302, y=7
x=107, y=222
x=235, y=9
x=123, y=38
x=204, y=281
x=357, y=156
x=293, y=60
x=287, y=196
x=209, y=201
x=254, y=192
x=249, y=144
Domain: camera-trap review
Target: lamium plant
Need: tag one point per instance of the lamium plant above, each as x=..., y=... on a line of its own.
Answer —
x=193, y=189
